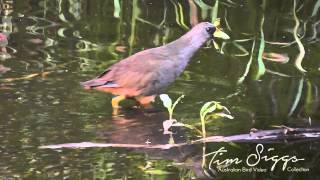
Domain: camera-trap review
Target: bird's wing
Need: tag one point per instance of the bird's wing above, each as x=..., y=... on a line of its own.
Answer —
x=135, y=72
x=99, y=81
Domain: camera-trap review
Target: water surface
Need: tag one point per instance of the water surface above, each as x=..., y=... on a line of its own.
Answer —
x=64, y=42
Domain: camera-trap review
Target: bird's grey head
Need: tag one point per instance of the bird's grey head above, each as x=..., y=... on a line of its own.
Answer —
x=189, y=43
x=204, y=29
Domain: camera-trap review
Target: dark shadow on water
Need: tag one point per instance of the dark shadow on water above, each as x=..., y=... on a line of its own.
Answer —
x=137, y=126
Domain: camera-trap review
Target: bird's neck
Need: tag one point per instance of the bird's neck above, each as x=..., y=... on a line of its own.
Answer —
x=186, y=46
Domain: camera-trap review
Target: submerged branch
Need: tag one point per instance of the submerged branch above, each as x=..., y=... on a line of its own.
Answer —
x=283, y=134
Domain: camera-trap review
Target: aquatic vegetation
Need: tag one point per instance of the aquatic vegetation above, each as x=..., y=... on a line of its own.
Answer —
x=206, y=109
x=117, y=8
x=167, y=103
x=261, y=67
x=241, y=79
x=54, y=44
x=219, y=33
x=302, y=51
x=214, y=13
x=135, y=14
x=297, y=98
x=179, y=14
x=209, y=108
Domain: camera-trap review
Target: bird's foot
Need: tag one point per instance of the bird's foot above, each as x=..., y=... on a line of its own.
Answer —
x=145, y=101
x=147, y=106
x=115, y=112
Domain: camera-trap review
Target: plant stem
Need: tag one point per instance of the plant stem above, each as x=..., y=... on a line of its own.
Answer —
x=203, y=126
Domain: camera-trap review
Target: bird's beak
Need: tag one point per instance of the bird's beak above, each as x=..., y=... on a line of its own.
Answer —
x=219, y=33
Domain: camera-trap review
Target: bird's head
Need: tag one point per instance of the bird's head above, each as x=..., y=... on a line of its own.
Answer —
x=210, y=30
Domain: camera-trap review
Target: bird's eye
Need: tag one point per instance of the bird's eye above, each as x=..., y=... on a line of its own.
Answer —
x=210, y=30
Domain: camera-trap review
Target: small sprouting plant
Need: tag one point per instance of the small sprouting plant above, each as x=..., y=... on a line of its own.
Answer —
x=208, y=108
x=167, y=102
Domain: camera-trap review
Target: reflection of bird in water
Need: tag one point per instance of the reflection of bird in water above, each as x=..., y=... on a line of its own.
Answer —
x=144, y=126
x=138, y=127
x=146, y=74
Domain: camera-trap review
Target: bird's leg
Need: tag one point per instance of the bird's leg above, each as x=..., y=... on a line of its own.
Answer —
x=145, y=101
x=115, y=104
x=116, y=100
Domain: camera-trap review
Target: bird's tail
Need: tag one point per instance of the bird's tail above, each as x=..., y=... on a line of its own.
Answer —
x=86, y=85
x=98, y=82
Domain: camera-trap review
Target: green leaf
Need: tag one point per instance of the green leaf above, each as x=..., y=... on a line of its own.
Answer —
x=212, y=108
x=117, y=8
x=216, y=46
x=167, y=102
x=261, y=66
x=205, y=107
x=225, y=115
x=220, y=34
x=214, y=13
